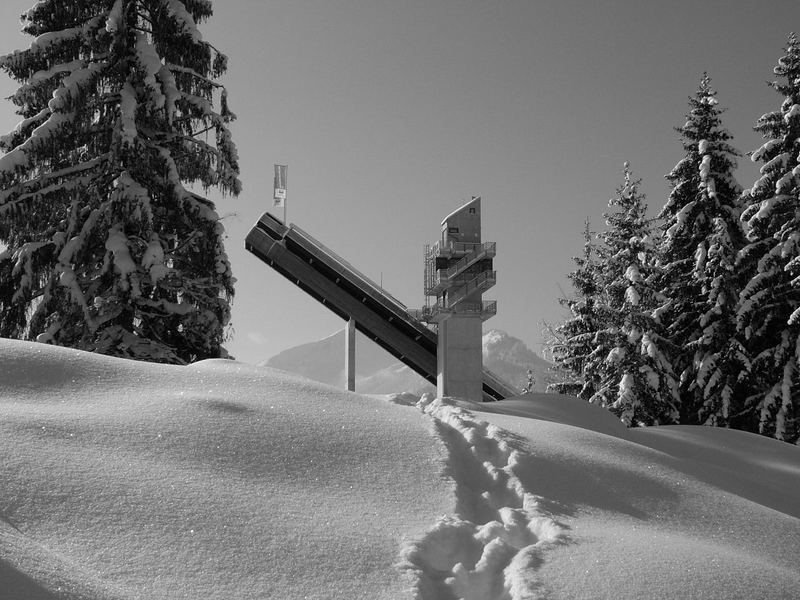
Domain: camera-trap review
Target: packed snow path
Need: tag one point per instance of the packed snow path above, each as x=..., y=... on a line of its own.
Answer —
x=491, y=548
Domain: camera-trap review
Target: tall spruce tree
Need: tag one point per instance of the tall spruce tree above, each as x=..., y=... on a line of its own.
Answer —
x=697, y=253
x=769, y=312
x=571, y=346
x=637, y=381
x=106, y=249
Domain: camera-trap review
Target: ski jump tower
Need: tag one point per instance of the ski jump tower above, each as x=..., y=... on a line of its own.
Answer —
x=458, y=269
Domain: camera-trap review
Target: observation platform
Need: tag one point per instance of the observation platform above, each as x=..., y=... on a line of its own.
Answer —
x=340, y=287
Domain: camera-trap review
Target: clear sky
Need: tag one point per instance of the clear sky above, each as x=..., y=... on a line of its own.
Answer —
x=392, y=113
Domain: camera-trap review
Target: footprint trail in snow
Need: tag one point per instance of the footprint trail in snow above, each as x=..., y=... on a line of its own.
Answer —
x=492, y=547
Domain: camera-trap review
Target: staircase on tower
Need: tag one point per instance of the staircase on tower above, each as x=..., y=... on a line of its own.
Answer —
x=458, y=269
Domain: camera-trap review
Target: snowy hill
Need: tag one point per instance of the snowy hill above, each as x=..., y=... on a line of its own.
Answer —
x=378, y=372
x=124, y=480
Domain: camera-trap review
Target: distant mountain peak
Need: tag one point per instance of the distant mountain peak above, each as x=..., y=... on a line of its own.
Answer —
x=499, y=345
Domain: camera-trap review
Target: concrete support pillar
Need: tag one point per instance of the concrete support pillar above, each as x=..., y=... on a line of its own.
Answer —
x=350, y=355
x=460, y=358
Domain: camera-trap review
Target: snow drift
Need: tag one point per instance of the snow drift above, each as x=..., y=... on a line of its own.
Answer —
x=125, y=480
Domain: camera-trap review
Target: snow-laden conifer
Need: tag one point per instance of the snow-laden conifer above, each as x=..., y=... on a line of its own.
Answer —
x=637, y=381
x=571, y=344
x=697, y=255
x=107, y=250
x=769, y=310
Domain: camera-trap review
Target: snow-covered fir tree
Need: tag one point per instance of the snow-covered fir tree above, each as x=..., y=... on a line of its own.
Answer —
x=571, y=344
x=697, y=254
x=106, y=249
x=769, y=312
x=637, y=381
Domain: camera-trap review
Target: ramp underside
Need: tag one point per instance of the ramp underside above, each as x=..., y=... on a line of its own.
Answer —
x=341, y=288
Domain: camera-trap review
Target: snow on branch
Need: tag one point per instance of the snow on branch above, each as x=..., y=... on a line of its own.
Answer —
x=114, y=20
x=766, y=208
x=20, y=157
x=66, y=257
x=44, y=42
x=7, y=140
x=61, y=114
x=633, y=275
x=127, y=110
x=203, y=105
x=124, y=266
x=787, y=182
x=185, y=21
x=705, y=167
x=790, y=114
x=25, y=190
x=188, y=71
x=173, y=177
x=47, y=74
x=129, y=191
x=153, y=259
x=74, y=83
x=29, y=14
x=171, y=93
x=150, y=61
x=69, y=280
x=765, y=149
x=24, y=266
x=778, y=162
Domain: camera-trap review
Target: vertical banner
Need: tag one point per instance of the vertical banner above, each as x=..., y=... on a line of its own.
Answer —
x=280, y=186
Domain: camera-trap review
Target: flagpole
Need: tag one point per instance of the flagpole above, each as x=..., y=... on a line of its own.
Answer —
x=286, y=196
x=279, y=194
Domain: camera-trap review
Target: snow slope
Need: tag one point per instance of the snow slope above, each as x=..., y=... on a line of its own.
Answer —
x=220, y=480
x=668, y=512
x=124, y=480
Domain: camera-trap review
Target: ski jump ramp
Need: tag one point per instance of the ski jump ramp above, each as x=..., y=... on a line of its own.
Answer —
x=338, y=285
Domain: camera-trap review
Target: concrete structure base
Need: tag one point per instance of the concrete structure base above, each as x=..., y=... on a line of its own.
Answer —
x=460, y=358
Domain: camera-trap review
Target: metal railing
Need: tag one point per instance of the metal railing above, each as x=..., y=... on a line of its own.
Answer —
x=482, y=282
x=437, y=280
x=436, y=312
x=439, y=249
x=364, y=280
x=486, y=249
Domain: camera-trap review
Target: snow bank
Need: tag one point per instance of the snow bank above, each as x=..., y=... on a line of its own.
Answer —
x=124, y=480
x=660, y=512
x=218, y=480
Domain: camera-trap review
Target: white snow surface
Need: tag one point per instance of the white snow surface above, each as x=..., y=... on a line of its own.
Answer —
x=127, y=480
